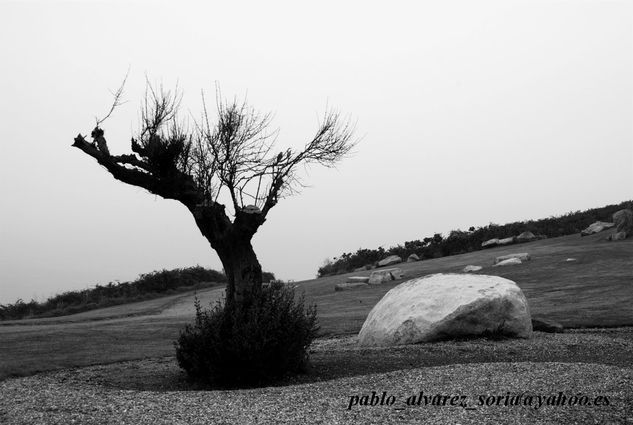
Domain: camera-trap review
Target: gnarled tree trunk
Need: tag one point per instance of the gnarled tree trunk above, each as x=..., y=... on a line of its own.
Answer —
x=242, y=269
x=232, y=242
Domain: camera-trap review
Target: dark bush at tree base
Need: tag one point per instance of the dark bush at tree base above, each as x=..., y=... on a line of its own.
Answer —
x=232, y=346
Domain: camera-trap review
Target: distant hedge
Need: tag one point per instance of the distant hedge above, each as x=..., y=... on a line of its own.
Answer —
x=149, y=285
x=459, y=242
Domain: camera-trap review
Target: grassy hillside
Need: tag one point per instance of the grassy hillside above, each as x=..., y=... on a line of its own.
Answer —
x=148, y=286
x=459, y=242
x=596, y=290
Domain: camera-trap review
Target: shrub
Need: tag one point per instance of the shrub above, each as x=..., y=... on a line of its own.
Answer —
x=233, y=347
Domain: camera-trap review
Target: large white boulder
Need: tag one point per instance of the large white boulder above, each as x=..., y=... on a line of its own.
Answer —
x=444, y=306
x=392, y=259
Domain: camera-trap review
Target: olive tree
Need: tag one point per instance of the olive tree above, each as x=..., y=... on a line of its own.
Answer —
x=230, y=162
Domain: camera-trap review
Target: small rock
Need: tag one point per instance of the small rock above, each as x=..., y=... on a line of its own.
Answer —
x=596, y=227
x=523, y=256
x=526, y=237
x=412, y=258
x=469, y=269
x=392, y=259
x=509, y=262
x=617, y=236
x=623, y=220
x=506, y=241
x=386, y=275
x=571, y=259
x=544, y=325
x=490, y=243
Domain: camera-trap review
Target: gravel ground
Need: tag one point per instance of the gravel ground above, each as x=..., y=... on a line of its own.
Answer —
x=93, y=395
x=56, y=398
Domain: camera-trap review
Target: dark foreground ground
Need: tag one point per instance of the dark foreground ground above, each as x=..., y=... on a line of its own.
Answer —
x=491, y=382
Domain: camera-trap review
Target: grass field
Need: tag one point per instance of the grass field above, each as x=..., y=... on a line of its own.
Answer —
x=596, y=290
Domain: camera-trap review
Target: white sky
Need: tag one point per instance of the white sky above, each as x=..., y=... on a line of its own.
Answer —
x=470, y=112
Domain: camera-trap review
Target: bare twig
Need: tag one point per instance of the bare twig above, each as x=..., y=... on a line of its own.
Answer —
x=117, y=99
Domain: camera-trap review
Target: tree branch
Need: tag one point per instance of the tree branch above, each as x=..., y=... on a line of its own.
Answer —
x=181, y=189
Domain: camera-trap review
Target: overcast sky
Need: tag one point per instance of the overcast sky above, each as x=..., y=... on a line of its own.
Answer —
x=469, y=113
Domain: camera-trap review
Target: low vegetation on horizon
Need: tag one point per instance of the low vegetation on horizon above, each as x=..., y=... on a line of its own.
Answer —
x=461, y=242
x=146, y=286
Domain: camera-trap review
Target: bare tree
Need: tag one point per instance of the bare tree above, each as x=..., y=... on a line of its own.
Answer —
x=235, y=157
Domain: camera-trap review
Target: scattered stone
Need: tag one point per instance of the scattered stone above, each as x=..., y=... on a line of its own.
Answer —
x=526, y=237
x=469, y=269
x=623, y=221
x=506, y=241
x=509, y=262
x=523, y=256
x=349, y=285
x=412, y=258
x=490, y=243
x=442, y=306
x=617, y=236
x=596, y=227
x=355, y=279
x=544, y=325
x=386, y=275
x=392, y=259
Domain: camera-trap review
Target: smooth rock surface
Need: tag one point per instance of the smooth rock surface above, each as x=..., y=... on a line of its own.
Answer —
x=596, y=227
x=509, y=262
x=444, y=306
x=506, y=241
x=412, y=258
x=623, y=221
x=490, y=243
x=618, y=236
x=386, y=275
x=523, y=256
x=470, y=268
x=526, y=237
x=392, y=259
